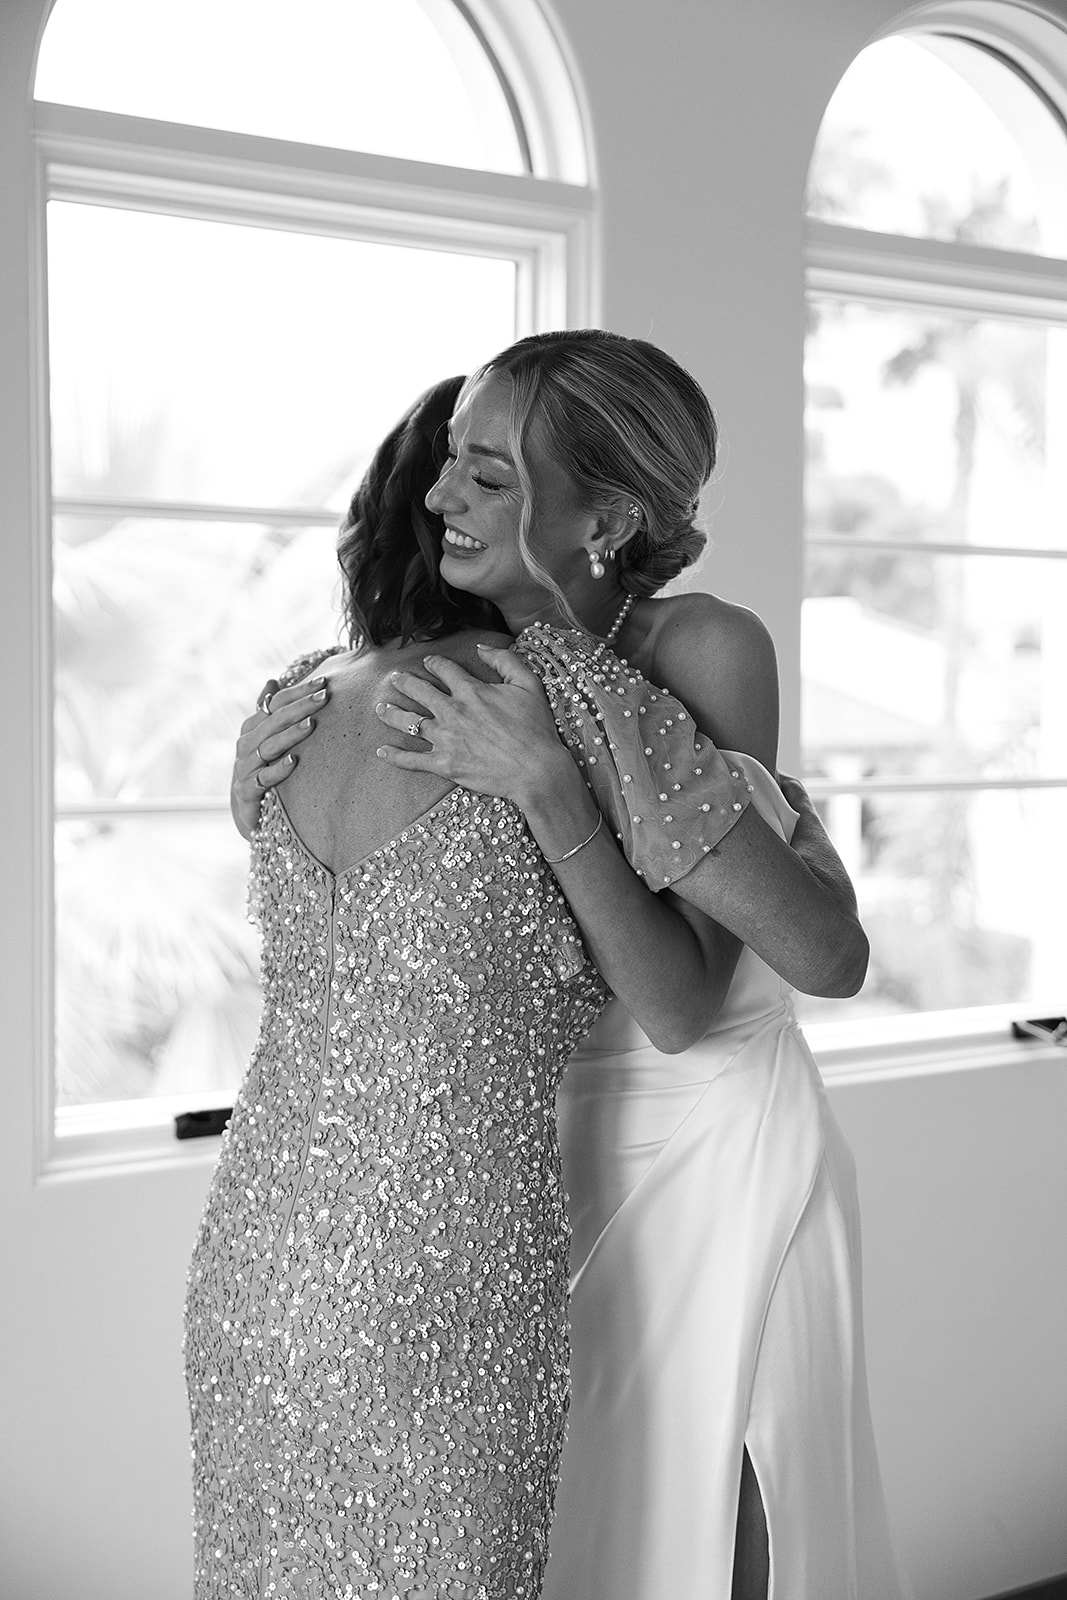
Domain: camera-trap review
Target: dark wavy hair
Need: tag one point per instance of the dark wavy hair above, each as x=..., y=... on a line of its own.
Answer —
x=389, y=547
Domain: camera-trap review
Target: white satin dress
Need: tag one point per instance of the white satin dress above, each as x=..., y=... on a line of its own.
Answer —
x=715, y=1303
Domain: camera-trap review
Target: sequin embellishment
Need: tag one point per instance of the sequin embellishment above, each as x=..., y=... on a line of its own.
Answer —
x=376, y=1343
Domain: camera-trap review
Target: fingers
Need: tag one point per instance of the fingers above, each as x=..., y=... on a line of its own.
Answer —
x=271, y=748
x=255, y=783
x=266, y=694
x=449, y=672
x=508, y=665
x=420, y=690
x=285, y=724
x=411, y=760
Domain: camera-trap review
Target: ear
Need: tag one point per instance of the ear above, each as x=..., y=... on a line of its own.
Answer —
x=616, y=524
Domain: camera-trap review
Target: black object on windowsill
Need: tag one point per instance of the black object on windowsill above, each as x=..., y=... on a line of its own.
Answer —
x=200, y=1124
x=1050, y=1030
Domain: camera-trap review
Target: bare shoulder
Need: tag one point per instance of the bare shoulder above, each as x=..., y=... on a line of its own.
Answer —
x=719, y=659
x=463, y=649
x=710, y=627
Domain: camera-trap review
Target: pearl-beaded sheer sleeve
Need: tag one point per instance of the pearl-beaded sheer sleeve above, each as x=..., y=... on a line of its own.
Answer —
x=667, y=791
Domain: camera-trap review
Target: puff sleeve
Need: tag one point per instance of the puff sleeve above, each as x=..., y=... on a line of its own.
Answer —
x=668, y=792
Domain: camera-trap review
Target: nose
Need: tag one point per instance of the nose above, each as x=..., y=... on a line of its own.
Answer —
x=438, y=496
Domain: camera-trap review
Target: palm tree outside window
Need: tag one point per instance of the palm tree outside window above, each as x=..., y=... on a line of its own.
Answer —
x=934, y=654
x=265, y=229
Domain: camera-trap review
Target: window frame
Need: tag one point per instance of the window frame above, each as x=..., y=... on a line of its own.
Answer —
x=545, y=224
x=932, y=276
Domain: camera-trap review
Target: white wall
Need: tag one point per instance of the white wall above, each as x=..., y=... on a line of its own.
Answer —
x=703, y=114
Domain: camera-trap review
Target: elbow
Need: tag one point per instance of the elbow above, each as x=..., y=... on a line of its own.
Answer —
x=844, y=969
x=684, y=1026
x=671, y=1040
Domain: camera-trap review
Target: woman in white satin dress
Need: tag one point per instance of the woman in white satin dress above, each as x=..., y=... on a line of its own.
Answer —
x=719, y=1440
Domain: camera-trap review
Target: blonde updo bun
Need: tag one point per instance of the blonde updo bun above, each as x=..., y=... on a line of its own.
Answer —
x=624, y=421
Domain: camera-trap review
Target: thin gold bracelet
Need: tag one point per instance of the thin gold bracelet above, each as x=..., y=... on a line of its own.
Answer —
x=555, y=863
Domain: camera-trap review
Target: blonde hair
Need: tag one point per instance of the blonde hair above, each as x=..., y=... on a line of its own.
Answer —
x=622, y=419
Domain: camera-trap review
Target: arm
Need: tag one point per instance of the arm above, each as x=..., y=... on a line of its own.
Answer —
x=669, y=966
x=719, y=660
x=751, y=882
x=812, y=842
x=265, y=753
x=765, y=892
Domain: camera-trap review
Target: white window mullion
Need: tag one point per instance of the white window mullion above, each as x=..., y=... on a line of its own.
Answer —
x=929, y=275
x=191, y=511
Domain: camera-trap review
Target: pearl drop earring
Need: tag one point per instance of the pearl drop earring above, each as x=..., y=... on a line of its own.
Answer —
x=596, y=566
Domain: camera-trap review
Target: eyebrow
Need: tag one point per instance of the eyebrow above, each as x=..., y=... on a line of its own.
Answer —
x=484, y=450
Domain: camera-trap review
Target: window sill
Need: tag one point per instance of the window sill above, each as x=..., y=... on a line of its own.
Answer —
x=139, y=1135
x=127, y=1135
x=927, y=1044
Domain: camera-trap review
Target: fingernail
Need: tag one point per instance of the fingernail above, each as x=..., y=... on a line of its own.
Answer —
x=381, y=750
x=307, y=723
x=379, y=708
x=320, y=694
x=317, y=680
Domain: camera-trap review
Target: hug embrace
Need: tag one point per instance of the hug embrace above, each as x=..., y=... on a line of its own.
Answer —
x=530, y=1265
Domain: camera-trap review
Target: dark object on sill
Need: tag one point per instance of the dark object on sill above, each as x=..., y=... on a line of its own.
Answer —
x=1050, y=1030
x=199, y=1124
x=1054, y=1589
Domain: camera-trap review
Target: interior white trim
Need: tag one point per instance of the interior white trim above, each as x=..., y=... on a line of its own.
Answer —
x=961, y=279
x=196, y=511
x=927, y=1044
x=934, y=547
x=526, y=38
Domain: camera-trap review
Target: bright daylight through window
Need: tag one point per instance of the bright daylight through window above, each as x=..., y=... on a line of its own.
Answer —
x=220, y=370
x=934, y=648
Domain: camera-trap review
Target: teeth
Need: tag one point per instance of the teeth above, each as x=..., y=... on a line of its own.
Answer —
x=462, y=540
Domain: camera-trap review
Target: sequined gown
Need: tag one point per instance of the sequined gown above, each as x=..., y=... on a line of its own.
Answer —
x=376, y=1339
x=376, y=1331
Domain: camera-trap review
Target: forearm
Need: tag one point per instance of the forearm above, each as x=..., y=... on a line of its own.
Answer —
x=670, y=969
x=813, y=844
x=762, y=890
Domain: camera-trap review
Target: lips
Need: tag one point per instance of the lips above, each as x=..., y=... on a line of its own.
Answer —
x=462, y=541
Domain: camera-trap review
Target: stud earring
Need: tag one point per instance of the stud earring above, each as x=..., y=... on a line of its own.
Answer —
x=634, y=510
x=596, y=566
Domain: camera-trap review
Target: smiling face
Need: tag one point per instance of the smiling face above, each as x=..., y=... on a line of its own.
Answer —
x=480, y=497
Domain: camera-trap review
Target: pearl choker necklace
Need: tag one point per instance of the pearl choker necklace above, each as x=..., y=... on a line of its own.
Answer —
x=627, y=606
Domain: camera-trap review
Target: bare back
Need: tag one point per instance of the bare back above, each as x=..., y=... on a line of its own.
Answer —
x=343, y=800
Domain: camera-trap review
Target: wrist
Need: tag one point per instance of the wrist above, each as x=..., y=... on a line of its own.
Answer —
x=553, y=783
x=560, y=811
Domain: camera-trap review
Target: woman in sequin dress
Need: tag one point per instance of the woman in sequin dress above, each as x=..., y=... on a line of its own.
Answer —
x=720, y=1441
x=376, y=1336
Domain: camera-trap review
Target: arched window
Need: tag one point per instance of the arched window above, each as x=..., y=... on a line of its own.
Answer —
x=934, y=648
x=325, y=73
x=266, y=229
